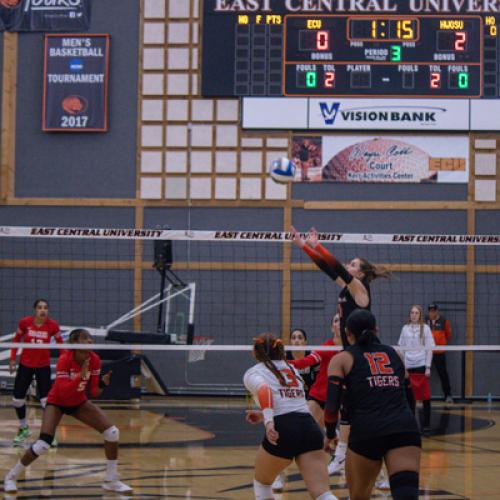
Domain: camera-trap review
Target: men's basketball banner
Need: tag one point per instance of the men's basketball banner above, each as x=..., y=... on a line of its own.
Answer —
x=44, y=15
x=75, y=88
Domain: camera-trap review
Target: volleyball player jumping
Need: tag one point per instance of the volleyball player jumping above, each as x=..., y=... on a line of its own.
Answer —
x=36, y=329
x=291, y=431
x=383, y=428
x=354, y=278
x=76, y=369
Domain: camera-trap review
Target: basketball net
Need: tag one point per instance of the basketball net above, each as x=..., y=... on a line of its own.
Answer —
x=195, y=355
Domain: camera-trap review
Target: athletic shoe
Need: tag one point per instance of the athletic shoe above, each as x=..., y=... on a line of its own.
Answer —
x=279, y=482
x=9, y=484
x=336, y=466
x=55, y=443
x=448, y=399
x=22, y=434
x=117, y=485
x=382, y=483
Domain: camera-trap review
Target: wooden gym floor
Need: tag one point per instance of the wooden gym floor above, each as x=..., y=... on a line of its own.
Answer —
x=199, y=448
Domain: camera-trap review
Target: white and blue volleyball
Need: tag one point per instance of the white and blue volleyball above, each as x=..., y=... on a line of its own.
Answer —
x=282, y=170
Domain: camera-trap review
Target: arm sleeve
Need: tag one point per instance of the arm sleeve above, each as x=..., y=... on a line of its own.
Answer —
x=319, y=260
x=429, y=342
x=259, y=388
x=95, y=376
x=310, y=360
x=63, y=380
x=447, y=329
x=332, y=407
x=17, y=338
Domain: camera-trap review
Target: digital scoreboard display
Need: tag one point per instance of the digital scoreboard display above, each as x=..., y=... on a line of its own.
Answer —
x=403, y=48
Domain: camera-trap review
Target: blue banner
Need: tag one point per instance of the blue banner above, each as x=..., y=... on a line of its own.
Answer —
x=44, y=15
x=75, y=89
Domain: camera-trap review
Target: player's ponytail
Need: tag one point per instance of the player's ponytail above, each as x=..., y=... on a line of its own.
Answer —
x=267, y=348
x=372, y=272
x=367, y=338
x=363, y=326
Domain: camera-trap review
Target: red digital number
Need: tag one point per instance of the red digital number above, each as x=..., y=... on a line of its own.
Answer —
x=379, y=363
x=460, y=40
x=435, y=80
x=322, y=40
x=330, y=79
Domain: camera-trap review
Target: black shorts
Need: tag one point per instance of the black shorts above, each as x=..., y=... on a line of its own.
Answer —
x=24, y=377
x=376, y=448
x=321, y=403
x=67, y=410
x=299, y=433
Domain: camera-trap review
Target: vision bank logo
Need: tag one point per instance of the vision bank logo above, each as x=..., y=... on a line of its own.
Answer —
x=397, y=115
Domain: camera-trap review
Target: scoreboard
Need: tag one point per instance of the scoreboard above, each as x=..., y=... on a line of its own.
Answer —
x=321, y=48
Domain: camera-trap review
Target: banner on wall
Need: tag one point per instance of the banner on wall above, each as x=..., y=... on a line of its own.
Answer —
x=44, y=15
x=388, y=158
x=75, y=90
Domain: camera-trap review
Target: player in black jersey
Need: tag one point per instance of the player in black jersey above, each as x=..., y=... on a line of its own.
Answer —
x=354, y=277
x=382, y=425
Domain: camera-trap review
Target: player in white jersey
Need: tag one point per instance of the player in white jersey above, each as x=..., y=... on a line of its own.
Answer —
x=291, y=431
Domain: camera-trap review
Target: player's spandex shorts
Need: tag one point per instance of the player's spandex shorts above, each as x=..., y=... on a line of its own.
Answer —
x=24, y=377
x=312, y=398
x=376, y=448
x=299, y=433
x=67, y=410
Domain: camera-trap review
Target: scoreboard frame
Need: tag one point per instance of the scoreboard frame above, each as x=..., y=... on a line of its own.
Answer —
x=245, y=44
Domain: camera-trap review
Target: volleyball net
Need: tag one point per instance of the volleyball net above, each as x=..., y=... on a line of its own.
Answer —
x=218, y=289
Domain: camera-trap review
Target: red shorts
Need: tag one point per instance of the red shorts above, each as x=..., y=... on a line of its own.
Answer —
x=420, y=386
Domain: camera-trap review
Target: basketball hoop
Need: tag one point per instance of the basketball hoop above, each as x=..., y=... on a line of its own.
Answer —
x=195, y=355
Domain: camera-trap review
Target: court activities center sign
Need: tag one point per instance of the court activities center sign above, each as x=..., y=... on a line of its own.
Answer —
x=44, y=15
x=75, y=89
x=388, y=158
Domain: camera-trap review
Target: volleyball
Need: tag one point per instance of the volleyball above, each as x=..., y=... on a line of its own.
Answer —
x=282, y=170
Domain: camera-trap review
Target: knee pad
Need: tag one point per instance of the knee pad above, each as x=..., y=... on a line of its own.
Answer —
x=42, y=445
x=18, y=403
x=111, y=434
x=43, y=402
x=404, y=485
x=262, y=491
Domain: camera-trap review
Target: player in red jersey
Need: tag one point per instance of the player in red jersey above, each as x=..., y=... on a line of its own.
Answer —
x=76, y=369
x=317, y=393
x=36, y=329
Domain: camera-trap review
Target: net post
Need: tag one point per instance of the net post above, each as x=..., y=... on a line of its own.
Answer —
x=190, y=334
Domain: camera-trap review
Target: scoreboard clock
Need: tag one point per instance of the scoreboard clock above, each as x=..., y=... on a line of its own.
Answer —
x=319, y=48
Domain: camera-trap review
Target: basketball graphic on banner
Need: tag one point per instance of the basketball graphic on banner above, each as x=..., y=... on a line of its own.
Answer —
x=74, y=104
x=379, y=160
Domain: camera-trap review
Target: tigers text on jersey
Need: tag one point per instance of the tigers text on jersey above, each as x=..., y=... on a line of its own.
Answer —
x=69, y=388
x=30, y=333
x=286, y=399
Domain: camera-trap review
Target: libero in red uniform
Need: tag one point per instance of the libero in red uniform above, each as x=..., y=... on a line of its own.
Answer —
x=36, y=329
x=78, y=370
x=70, y=389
